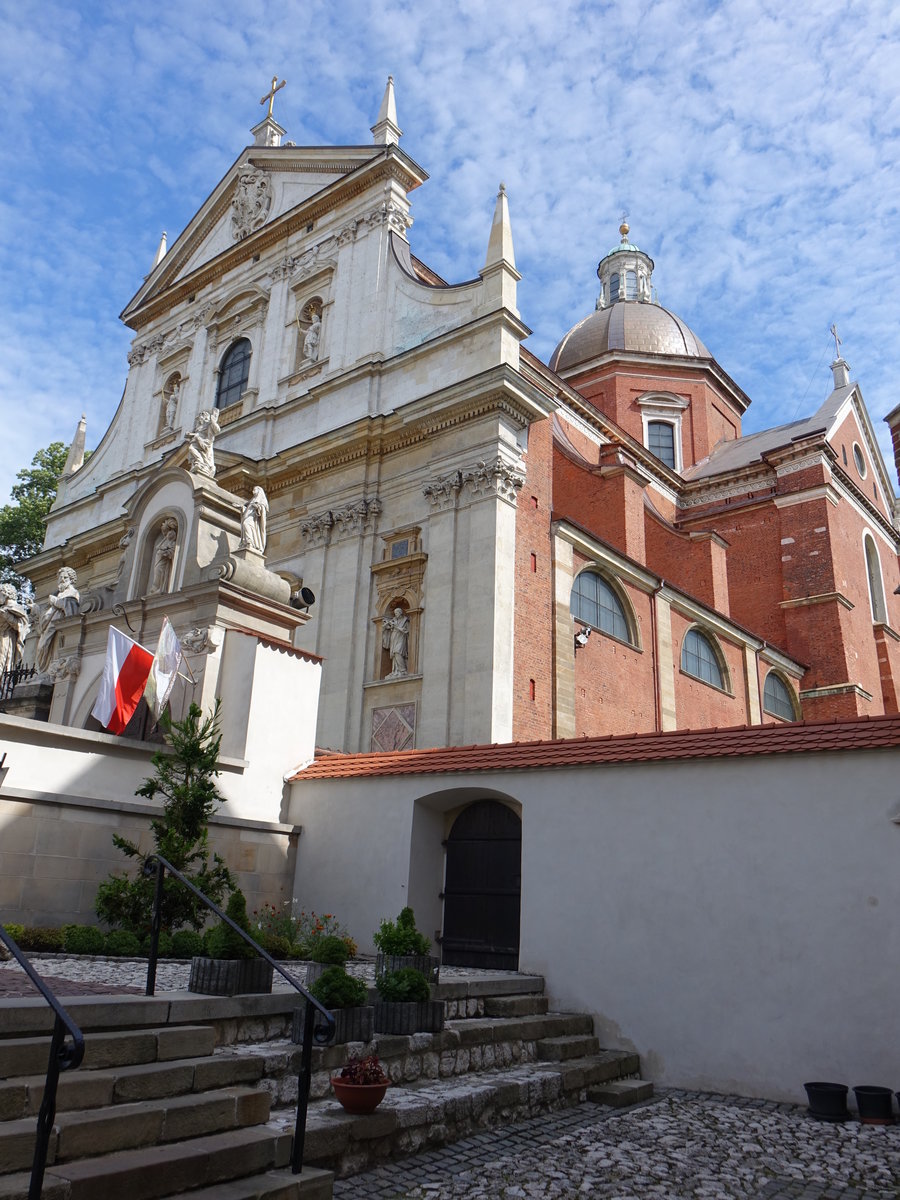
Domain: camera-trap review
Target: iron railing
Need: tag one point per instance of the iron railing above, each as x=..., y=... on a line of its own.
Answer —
x=65, y=1055
x=11, y=678
x=320, y=1032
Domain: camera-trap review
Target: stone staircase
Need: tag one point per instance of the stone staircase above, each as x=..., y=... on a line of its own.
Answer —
x=185, y=1095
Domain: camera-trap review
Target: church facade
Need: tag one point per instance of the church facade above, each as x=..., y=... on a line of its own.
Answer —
x=482, y=547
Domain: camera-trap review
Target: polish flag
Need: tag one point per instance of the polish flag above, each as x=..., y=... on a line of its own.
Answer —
x=124, y=676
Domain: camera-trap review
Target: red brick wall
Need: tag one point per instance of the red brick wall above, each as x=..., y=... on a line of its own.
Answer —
x=697, y=704
x=842, y=441
x=697, y=566
x=533, y=647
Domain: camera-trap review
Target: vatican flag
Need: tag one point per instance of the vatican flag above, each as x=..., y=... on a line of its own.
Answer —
x=166, y=661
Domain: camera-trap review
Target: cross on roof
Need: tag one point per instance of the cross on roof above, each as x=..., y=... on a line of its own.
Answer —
x=837, y=341
x=270, y=94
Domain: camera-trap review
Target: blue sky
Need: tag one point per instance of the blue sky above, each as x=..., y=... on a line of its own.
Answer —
x=754, y=145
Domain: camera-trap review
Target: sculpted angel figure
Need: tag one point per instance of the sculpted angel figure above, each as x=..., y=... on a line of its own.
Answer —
x=253, y=522
x=61, y=605
x=200, y=444
x=163, y=557
x=14, y=627
x=395, y=639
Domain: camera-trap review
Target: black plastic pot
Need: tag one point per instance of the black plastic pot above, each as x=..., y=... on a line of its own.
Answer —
x=875, y=1104
x=827, y=1101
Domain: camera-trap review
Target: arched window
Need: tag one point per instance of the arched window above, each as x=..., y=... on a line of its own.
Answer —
x=233, y=373
x=613, y=288
x=595, y=603
x=631, y=285
x=876, y=585
x=698, y=658
x=777, y=698
x=661, y=441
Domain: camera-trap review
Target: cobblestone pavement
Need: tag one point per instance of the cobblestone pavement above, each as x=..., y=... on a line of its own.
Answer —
x=679, y=1145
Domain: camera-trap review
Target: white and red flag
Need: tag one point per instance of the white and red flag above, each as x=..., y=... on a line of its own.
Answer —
x=163, y=673
x=124, y=677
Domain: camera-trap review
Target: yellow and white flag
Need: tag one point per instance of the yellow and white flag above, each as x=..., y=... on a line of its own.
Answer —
x=163, y=672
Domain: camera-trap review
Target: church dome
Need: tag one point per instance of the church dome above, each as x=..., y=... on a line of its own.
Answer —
x=626, y=318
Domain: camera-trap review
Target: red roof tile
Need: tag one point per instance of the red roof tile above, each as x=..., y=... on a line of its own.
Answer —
x=801, y=737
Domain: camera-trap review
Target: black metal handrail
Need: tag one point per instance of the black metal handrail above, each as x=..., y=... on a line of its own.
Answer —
x=312, y=1031
x=64, y=1056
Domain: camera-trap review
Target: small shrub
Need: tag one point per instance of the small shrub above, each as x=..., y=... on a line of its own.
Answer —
x=309, y=926
x=123, y=943
x=185, y=943
x=336, y=989
x=222, y=941
x=403, y=985
x=83, y=939
x=16, y=932
x=41, y=937
x=364, y=1070
x=401, y=937
x=275, y=944
x=328, y=949
x=164, y=946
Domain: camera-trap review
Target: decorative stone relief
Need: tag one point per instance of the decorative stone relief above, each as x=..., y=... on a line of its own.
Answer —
x=198, y=641
x=443, y=491
x=65, y=668
x=63, y=604
x=351, y=519
x=163, y=557
x=394, y=728
x=201, y=460
x=14, y=627
x=496, y=477
x=250, y=204
x=254, y=518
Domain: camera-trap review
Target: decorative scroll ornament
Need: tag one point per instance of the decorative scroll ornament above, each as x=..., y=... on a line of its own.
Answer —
x=197, y=641
x=443, y=491
x=351, y=519
x=496, y=478
x=250, y=204
x=65, y=668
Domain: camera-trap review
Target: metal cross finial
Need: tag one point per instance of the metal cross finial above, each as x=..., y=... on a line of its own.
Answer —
x=837, y=341
x=270, y=94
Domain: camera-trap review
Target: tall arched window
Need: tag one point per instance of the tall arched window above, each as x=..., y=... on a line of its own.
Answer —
x=631, y=285
x=595, y=603
x=876, y=585
x=698, y=658
x=233, y=373
x=777, y=698
x=613, y=288
x=661, y=441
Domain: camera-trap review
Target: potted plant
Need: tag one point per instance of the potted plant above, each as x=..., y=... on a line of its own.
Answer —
x=345, y=997
x=230, y=966
x=827, y=1101
x=875, y=1104
x=400, y=945
x=325, y=951
x=361, y=1085
x=406, y=1006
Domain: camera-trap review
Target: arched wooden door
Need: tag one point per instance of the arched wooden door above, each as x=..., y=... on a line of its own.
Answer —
x=482, y=888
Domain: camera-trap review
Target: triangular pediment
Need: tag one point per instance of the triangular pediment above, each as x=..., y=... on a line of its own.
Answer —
x=257, y=197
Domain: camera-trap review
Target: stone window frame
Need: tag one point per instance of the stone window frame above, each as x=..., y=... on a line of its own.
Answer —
x=777, y=678
x=859, y=461
x=623, y=601
x=665, y=408
x=874, y=579
x=718, y=657
x=232, y=346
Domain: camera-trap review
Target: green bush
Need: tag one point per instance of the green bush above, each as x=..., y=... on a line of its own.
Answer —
x=185, y=943
x=222, y=941
x=275, y=944
x=16, y=932
x=401, y=937
x=336, y=989
x=328, y=949
x=83, y=939
x=405, y=984
x=41, y=937
x=121, y=943
x=164, y=946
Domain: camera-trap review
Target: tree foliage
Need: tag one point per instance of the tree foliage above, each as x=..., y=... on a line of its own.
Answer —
x=22, y=521
x=185, y=779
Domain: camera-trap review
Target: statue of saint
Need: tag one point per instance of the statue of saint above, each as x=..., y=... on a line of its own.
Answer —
x=14, y=627
x=163, y=557
x=172, y=404
x=60, y=606
x=395, y=639
x=253, y=522
x=311, y=339
x=200, y=444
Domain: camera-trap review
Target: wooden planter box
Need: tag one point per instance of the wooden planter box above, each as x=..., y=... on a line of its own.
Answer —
x=230, y=976
x=408, y=1017
x=350, y=1025
x=424, y=963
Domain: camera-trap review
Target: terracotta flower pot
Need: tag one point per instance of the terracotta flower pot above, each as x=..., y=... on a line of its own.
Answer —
x=358, y=1098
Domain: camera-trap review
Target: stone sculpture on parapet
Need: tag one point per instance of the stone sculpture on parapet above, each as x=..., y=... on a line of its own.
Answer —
x=63, y=604
x=14, y=628
x=253, y=522
x=200, y=444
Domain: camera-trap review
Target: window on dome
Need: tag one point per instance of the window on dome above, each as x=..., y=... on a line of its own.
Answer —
x=698, y=658
x=595, y=603
x=613, y=288
x=233, y=373
x=876, y=584
x=631, y=285
x=661, y=441
x=777, y=698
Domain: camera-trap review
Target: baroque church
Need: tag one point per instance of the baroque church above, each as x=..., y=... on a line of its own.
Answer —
x=480, y=547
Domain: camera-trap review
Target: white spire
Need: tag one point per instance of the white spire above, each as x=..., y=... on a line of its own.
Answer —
x=160, y=253
x=500, y=243
x=386, y=131
x=75, y=457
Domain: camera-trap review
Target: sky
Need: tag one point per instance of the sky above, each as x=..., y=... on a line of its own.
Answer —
x=753, y=145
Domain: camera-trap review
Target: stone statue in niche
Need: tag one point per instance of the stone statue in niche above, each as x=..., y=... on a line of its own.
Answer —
x=395, y=639
x=253, y=522
x=60, y=606
x=163, y=557
x=14, y=627
x=311, y=339
x=201, y=460
x=172, y=402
